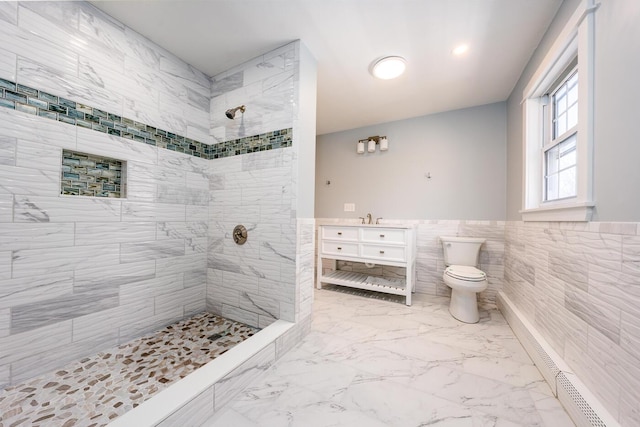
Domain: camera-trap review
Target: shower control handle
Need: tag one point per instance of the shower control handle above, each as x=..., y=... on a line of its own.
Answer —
x=240, y=234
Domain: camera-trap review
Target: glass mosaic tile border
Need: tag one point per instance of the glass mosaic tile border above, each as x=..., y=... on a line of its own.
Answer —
x=90, y=175
x=263, y=142
x=33, y=101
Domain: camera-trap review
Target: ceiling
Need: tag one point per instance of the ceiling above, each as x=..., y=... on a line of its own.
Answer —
x=346, y=36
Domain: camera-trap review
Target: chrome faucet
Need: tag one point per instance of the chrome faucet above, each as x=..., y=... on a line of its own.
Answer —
x=369, y=219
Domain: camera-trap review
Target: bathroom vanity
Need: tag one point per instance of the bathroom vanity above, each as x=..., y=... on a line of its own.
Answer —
x=371, y=244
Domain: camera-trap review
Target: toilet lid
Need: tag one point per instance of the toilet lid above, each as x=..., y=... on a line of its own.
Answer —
x=465, y=272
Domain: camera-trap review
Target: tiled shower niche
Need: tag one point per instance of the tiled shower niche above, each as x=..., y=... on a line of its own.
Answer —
x=91, y=175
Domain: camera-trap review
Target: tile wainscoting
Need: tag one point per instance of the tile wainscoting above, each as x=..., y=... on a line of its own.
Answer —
x=579, y=285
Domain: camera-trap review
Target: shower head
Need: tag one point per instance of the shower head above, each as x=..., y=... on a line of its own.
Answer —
x=231, y=113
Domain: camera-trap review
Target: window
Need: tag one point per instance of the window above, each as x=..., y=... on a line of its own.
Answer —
x=560, y=152
x=558, y=126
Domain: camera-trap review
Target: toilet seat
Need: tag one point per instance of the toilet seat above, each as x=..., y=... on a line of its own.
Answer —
x=466, y=273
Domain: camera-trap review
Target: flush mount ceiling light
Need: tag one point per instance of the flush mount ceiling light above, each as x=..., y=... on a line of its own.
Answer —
x=460, y=49
x=388, y=67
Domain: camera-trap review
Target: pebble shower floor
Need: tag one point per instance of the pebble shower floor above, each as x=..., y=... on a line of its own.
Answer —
x=95, y=390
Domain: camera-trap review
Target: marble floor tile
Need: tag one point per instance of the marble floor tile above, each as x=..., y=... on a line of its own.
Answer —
x=373, y=361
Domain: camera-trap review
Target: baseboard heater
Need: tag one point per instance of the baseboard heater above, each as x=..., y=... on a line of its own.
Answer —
x=580, y=403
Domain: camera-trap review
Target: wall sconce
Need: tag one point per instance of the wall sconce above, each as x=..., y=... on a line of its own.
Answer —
x=371, y=142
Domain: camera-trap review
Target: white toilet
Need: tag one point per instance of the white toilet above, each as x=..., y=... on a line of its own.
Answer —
x=461, y=275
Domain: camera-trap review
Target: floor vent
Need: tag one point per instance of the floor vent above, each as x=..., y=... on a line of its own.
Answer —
x=580, y=403
x=584, y=412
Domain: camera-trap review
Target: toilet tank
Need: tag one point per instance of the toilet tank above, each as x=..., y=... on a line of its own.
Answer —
x=461, y=250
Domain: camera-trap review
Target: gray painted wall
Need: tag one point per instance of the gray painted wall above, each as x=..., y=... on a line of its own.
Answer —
x=463, y=150
x=616, y=172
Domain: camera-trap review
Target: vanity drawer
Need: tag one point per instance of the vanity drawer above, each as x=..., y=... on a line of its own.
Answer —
x=339, y=248
x=384, y=235
x=391, y=253
x=340, y=233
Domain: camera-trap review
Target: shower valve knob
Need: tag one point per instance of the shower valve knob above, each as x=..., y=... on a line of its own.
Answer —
x=240, y=234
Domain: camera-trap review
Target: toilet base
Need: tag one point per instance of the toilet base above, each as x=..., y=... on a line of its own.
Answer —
x=464, y=306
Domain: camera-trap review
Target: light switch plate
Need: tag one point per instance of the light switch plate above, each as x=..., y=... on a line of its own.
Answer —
x=349, y=207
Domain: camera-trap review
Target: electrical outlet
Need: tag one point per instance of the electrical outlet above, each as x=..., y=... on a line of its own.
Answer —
x=349, y=207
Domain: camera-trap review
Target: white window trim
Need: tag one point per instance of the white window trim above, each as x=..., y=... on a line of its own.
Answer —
x=576, y=39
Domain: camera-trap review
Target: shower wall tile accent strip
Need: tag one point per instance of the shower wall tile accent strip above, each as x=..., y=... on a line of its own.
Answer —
x=264, y=142
x=33, y=101
x=89, y=175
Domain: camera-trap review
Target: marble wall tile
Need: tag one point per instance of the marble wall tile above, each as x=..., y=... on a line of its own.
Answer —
x=186, y=263
x=181, y=230
x=239, y=315
x=182, y=162
x=196, y=213
x=31, y=47
x=617, y=288
x=7, y=151
x=30, y=262
x=46, y=78
x=29, y=181
x=584, y=301
x=57, y=309
x=243, y=375
x=197, y=305
x=102, y=323
x=630, y=333
x=16, y=236
x=9, y=12
x=146, y=324
x=624, y=228
x=114, y=276
x=631, y=248
x=64, y=15
x=262, y=305
x=117, y=232
x=159, y=249
x=181, y=297
x=15, y=292
x=144, y=290
x=181, y=195
x=55, y=356
x=115, y=147
x=35, y=129
x=5, y=321
x=16, y=347
x=196, y=412
x=135, y=211
x=103, y=72
x=598, y=314
x=65, y=209
x=8, y=61
x=37, y=155
x=195, y=278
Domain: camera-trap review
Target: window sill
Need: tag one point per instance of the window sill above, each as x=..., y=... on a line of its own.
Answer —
x=573, y=212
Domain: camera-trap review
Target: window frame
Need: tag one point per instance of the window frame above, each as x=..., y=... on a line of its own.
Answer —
x=576, y=40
